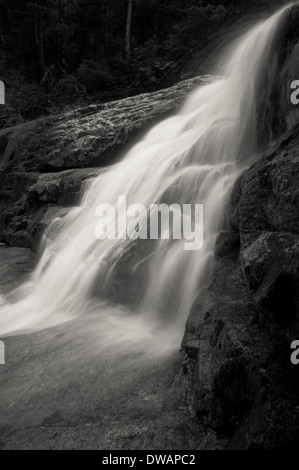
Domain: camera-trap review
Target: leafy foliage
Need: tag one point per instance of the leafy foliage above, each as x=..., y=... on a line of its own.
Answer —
x=55, y=52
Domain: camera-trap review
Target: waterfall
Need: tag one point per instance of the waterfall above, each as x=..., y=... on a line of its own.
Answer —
x=141, y=289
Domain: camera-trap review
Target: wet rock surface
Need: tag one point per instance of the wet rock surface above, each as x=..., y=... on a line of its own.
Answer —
x=59, y=390
x=46, y=161
x=240, y=328
x=15, y=267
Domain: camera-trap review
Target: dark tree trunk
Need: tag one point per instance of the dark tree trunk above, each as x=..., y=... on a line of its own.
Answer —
x=128, y=29
x=39, y=40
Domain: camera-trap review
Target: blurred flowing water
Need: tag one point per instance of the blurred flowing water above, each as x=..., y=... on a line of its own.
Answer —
x=135, y=295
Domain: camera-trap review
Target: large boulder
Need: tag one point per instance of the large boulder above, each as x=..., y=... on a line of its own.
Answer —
x=240, y=328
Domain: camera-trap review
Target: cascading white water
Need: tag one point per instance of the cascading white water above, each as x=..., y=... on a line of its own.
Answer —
x=193, y=157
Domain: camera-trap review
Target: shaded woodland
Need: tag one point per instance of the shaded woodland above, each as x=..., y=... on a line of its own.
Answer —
x=57, y=53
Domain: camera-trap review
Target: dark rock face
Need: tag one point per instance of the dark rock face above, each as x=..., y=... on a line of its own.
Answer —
x=275, y=111
x=240, y=328
x=45, y=162
x=29, y=198
x=16, y=266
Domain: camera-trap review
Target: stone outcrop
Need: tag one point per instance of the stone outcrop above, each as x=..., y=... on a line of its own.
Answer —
x=240, y=328
x=43, y=163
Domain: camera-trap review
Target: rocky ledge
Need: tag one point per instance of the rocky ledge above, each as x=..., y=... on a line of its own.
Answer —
x=238, y=335
x=43, y=163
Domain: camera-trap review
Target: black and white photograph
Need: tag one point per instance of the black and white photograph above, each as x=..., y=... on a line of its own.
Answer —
x=149, y=228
